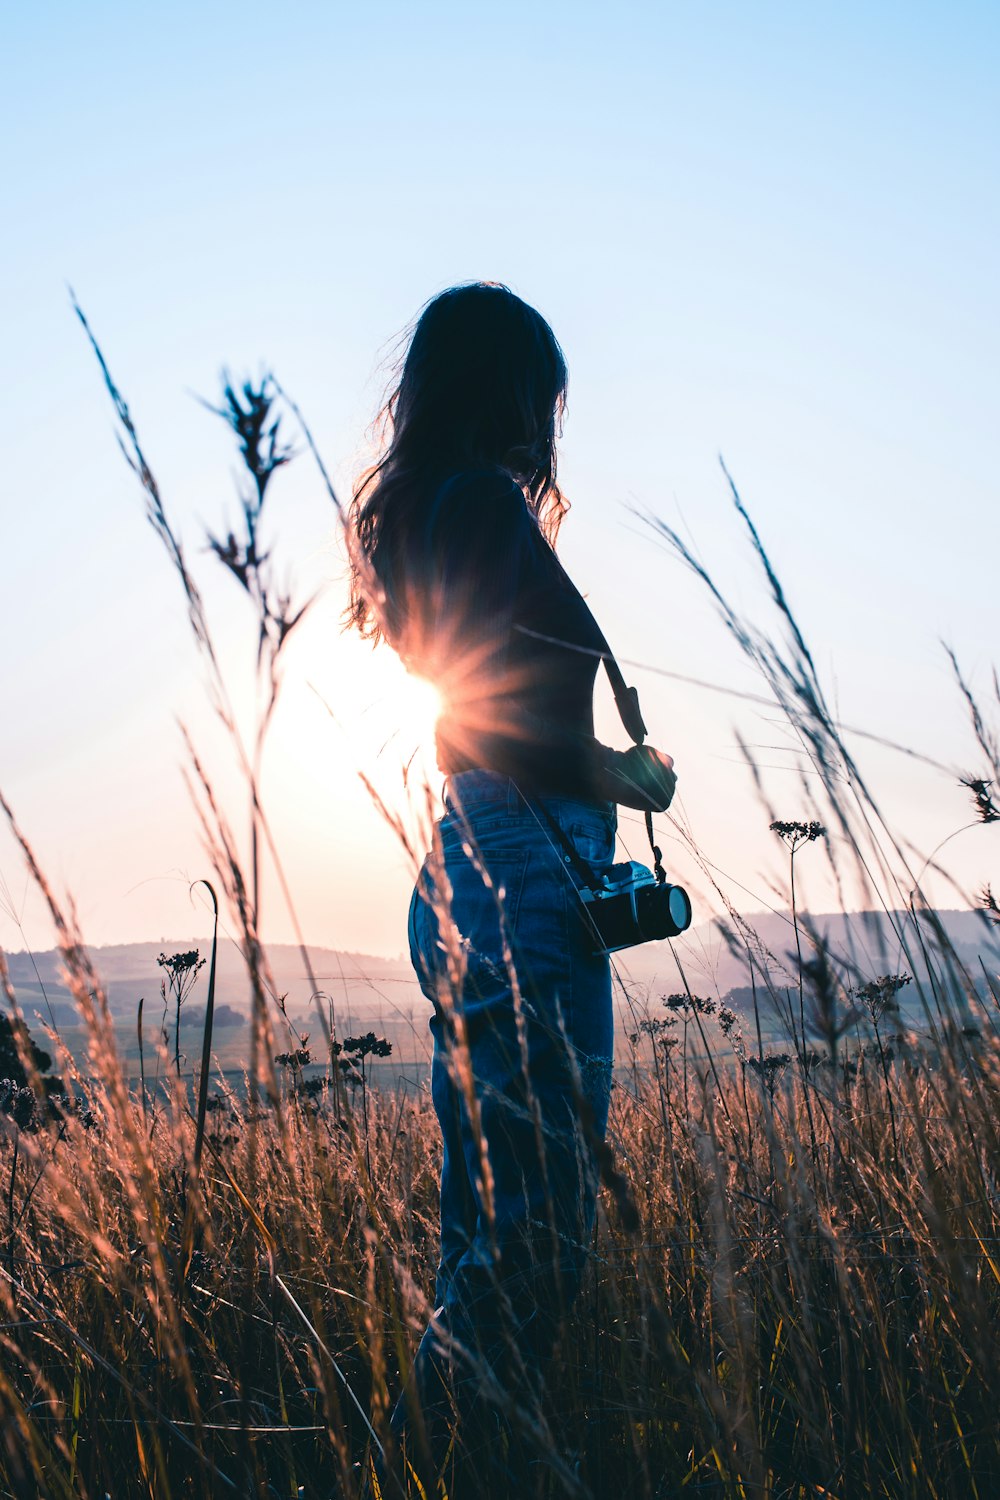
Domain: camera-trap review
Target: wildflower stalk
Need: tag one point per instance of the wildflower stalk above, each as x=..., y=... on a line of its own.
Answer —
x=250, y=415
x=794, y=835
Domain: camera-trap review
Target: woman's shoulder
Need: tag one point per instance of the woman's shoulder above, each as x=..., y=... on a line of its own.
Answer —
x=487, y=484
x=477, y=504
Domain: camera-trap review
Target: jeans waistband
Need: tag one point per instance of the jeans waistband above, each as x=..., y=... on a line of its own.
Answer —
x=466, y=790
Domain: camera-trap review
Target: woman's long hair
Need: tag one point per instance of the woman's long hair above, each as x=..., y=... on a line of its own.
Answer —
x=483, y=385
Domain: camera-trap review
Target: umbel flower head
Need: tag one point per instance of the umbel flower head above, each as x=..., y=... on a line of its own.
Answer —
x=770, y=1068
x=181, y=963
x=689, y=1004
x=658, y=1030
x=368, y=1045
x=796, y=834
x=879, y=995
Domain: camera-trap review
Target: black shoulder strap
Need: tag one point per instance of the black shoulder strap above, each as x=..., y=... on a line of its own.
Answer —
x=627, y=703
x=626, y=699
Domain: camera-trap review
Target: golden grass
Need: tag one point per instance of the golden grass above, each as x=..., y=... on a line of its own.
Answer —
x=764, y=1318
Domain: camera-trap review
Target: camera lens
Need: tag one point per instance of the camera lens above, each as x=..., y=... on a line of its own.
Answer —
x=680, y=908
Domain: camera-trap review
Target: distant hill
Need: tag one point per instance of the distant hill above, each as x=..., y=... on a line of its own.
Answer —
x=864, y=944
x=861, y=946
x=129, y=971
x=367, y=992
x=364, y=991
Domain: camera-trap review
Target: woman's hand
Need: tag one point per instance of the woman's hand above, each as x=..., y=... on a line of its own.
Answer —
x=640, y=777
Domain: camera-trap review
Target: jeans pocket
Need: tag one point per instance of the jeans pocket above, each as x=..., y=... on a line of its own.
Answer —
x=594, y=846
x=594, y=842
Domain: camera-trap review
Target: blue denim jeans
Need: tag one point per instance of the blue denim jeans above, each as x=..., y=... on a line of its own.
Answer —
x=521, y=1077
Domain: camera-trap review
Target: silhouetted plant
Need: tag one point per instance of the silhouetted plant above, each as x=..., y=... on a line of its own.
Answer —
x=689, y=1005
x=298, y=1059
x=660, y=1031
x=831, y=1018
x=20, y=1104
x=982, y=798
x=879, y=995
x=729, y=1025
x=794, y=835
x=368, y=1045
x=182, y=970
x=294, y=1061
x=252, y=414
x=769, y=1068
x=359, y=1049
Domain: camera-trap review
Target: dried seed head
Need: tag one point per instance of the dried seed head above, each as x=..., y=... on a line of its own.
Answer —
x=795, y=834
x=982, y=799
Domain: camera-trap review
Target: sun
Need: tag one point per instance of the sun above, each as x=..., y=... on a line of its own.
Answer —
x=390, y=716
x=416, y=707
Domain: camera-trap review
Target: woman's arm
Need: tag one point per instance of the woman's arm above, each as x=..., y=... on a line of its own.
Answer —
x=641, y=777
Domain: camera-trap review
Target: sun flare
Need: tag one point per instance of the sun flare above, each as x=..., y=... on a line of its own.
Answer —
x=416, y=708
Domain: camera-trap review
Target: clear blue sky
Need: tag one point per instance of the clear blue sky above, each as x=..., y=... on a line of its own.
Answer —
x=767, y=231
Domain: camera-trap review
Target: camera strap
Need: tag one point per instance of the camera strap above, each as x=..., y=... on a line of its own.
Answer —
x=627, y=703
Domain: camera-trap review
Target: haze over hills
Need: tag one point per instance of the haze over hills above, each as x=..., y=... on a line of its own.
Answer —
x=360, y=992
x=355, y=982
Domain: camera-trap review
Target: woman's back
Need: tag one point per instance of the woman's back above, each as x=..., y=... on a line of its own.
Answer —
x=495, y=623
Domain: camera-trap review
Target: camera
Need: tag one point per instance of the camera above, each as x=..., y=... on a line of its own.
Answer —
x=632, y=906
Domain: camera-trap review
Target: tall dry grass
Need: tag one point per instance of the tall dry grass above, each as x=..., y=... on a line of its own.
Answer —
x=795, y=1280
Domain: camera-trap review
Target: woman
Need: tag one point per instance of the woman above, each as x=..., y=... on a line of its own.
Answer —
x=453, y=564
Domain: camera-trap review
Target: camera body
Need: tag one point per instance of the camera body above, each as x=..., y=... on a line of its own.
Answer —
x=632, y=906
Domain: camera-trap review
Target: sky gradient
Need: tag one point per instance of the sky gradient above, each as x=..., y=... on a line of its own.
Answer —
x=758, y=232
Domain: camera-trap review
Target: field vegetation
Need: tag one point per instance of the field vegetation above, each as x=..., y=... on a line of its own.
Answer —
x=795, y=1280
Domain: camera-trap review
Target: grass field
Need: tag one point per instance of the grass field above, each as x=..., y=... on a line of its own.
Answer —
x=794, y=1285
